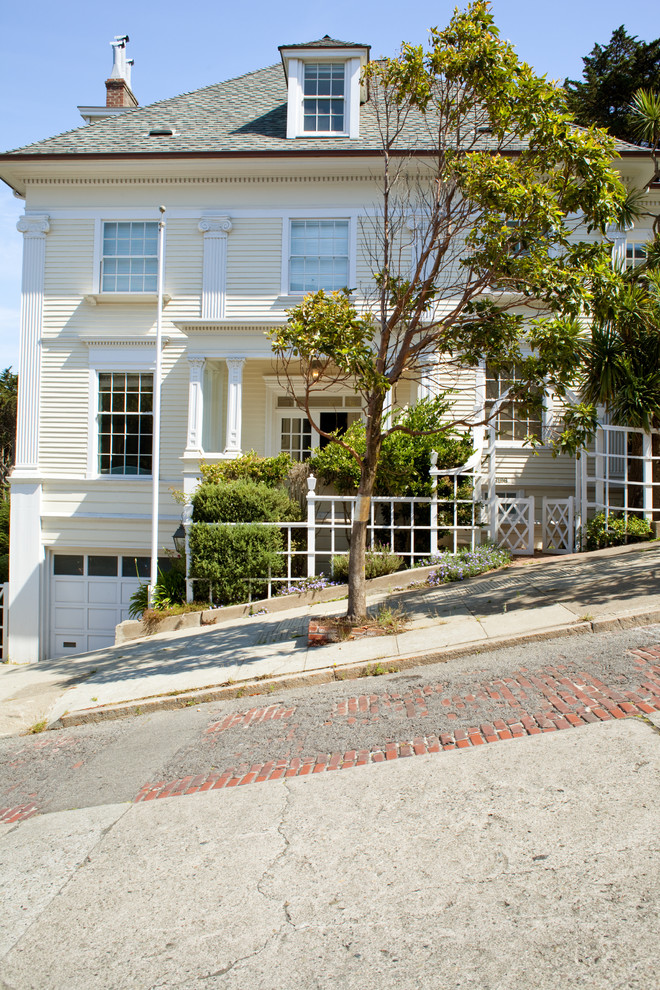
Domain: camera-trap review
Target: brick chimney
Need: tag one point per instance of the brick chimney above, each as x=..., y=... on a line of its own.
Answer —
x=119, y=94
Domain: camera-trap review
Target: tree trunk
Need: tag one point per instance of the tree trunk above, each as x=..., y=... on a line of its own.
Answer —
x=357, y=591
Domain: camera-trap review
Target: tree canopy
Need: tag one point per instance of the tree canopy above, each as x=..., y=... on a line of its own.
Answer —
x=612, y=75
x=474, y=246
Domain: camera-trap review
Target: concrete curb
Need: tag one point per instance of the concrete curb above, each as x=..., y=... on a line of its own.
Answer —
x=325, y=675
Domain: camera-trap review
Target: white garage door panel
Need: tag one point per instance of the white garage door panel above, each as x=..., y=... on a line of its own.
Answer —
x=69, y=618
x=100, y=642
x=103, y=592
x=102, y=619
x=128, y=587
x=69, y=589
x=85, y=610
x=64, y=645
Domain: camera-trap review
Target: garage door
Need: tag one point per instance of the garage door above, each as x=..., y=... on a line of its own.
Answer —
x=90, y=595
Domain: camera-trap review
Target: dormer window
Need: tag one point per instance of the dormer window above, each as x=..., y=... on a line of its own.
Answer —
x=323, y=96
x=325, y=88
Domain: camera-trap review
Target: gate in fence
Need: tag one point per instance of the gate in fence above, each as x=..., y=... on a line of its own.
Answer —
x=558, y=525
x=512, y=524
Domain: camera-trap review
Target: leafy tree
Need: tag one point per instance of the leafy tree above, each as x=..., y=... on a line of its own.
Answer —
x=612, y=74
x=8, y=398
x=405, y=457
x=494, y=193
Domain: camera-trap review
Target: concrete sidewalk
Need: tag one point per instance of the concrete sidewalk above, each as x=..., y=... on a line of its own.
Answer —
x=580, y=594
x=531, y=863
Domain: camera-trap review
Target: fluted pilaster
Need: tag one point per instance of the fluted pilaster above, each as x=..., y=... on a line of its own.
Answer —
x=34, y=229
x=195, y=403
x=214, y=274
x=234, y=404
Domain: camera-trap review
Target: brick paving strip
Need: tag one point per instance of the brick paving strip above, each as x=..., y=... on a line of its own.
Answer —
x=571, y=702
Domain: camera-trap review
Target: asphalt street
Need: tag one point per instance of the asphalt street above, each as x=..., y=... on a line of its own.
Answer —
x=105, y=763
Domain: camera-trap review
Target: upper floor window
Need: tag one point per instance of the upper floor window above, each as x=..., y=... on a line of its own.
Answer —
x=323, y=96
x=319, y=255
x=125, y=423
x=130, y=256
x=635, y=254
x=513, y=420
x=325, y=88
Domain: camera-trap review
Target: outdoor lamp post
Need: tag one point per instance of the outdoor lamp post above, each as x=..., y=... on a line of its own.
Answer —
x=179, y=540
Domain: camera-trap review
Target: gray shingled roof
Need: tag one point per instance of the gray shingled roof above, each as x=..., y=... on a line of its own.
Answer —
x=242, y=115
x=326, y=42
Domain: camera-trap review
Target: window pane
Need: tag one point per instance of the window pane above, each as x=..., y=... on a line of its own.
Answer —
x=68, y=564
x=319, y=255
x=102, y=566
x=125, y=441
x=139, y=567
x=130, y=257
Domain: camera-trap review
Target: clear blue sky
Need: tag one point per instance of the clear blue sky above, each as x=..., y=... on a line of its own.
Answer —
x=56, y=56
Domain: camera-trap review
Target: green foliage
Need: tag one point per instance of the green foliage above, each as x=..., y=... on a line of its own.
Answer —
x=616, y=531
x=226, y=555
x=4, y=540
x=8, y=399
x=621, y=369
x=405, y=457
x=267, y=470
x=611, y=76
x=170, y=590
x=243, y=501
x=378, y=560
x=326, y=329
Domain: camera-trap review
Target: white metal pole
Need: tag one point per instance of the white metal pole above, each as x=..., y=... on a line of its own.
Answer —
x=155, y=457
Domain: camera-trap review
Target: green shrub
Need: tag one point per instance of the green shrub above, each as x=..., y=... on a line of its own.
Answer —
x=405, y=459
x=378, y=560
x=243, y=501
x=616, y=531
x=251, y=467
x=170, y=590
x=226, y=555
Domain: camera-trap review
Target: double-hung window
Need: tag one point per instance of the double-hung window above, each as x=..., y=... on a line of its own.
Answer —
x=513, y=420
x=324, y=86
x=125, y=423
x=319, y=255
x=635, y=254
x=130, y=256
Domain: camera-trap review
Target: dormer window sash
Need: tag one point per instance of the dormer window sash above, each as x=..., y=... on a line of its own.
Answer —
x=324, y=89
x=324, y=97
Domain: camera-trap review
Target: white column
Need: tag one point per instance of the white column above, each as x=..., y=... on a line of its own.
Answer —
x=195, y=404
x=34, y=230
x=214, y=272
x=234, y=404
x=618, y=247
x=26, y=552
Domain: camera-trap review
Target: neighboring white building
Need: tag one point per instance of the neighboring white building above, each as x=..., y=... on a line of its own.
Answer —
x=264, y=179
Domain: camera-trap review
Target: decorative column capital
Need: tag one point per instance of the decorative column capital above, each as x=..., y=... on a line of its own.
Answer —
x=196, y=364
x=215, y=226
x=34, y=225
x=235, y=365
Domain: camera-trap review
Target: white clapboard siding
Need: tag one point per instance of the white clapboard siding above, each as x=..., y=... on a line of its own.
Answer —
x=254, y=267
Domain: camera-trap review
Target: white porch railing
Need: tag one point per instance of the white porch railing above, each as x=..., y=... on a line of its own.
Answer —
x=620, y=476
x=415, y=528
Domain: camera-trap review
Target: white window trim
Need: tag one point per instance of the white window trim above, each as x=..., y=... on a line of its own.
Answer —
x=105, y=358
x=296, y=71
x=502, y=444
x=97, y=257
x=350, y=216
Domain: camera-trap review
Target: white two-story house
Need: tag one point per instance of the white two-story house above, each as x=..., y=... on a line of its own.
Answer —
x=264, y=179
